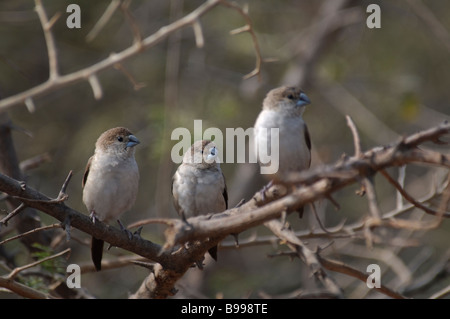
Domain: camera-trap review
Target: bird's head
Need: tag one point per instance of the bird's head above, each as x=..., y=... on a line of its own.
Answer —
x=117, y=140
x=202, y=153
x=291, y=100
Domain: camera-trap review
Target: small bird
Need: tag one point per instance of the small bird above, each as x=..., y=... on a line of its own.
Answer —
x=198, y=185
x=110, y=181
x=283, y=108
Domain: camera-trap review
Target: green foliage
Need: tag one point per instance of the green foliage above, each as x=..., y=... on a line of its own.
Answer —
x=53, y=265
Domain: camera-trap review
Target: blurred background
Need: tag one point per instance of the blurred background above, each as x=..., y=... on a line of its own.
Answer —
x=392, y=81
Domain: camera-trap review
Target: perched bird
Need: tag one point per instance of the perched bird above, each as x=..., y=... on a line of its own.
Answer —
x=110, y=181
x=198, y=185
x=283, y=108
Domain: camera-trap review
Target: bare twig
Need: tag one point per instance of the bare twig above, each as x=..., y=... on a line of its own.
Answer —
x=30, y=232
x=22, y=290
x=247, y=28
x=49, y=39
x=306, y=254
x=112, y=7
x=410, y=199
x=124, y=7
x=16, y=211
x=317, y=183
x=347, y=270
x=57, y=81
x=17, y=270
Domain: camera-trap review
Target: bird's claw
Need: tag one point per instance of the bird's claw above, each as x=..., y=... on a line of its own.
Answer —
x=93, y=217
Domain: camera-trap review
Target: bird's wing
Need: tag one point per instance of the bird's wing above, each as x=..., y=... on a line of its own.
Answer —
x=225, y=192
x=86, y=172
x=308, y=142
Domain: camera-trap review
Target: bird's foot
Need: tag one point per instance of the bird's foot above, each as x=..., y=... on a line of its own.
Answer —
x=93, y=217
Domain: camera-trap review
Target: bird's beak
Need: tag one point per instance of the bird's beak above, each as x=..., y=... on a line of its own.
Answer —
x=132, y=141
x=303, y=100
x=212, y=155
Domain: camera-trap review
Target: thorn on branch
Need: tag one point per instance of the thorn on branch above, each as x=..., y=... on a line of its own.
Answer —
x=30, y=105
x=148, y=265
x=198, y=33
x=236, y=240
x=241, y=202
x=96, y=86
x=356, y=139
x=62, y=196
x=333, y=201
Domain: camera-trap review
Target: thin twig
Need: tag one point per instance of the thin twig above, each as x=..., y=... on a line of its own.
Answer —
x=401, y=183
x=30, y=232
x=347, y=270
x=248, y=28
x=57, y=82
x=137, y=36
x=112, y=7
x=16, y=211
x=310, y=258
x=49, y=39
x=410, y=199
x=17, y=270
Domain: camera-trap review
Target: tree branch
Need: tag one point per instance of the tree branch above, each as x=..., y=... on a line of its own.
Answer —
x=173, y=260
x=57, y=81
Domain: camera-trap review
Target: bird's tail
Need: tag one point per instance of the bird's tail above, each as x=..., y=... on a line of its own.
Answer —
x=97, y=252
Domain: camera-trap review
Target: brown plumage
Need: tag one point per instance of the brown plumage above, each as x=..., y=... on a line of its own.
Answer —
x=282, y=109
x=198, y=185
x=110, y=181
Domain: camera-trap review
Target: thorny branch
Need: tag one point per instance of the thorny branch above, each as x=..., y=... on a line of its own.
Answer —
x=89, y=74
x=174, y=262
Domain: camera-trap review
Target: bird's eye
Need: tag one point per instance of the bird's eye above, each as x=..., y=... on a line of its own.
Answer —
x=290, y=97
x=120, y=138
